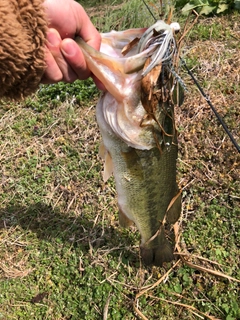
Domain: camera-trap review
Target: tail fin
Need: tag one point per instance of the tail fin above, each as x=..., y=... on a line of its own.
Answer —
x=157, y=251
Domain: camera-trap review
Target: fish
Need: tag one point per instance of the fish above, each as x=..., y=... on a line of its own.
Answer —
x=135, y=116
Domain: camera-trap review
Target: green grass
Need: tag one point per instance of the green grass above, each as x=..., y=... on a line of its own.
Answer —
x=62, y=252
x=121, y=15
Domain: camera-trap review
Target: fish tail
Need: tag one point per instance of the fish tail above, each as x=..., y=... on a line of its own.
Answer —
x=157, y=251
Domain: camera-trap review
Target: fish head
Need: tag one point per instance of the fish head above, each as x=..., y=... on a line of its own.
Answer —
x=120, y=67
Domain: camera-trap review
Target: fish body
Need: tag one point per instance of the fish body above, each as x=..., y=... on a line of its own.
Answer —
x=136, y=119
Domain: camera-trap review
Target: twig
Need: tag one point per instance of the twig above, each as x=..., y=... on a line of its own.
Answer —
x=190, y=308
x=105, y=310
x=139, y=294
x=214, y=272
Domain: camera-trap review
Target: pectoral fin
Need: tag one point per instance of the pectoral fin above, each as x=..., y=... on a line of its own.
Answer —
x=108, y=164
x=108, y=167
x=102, y=150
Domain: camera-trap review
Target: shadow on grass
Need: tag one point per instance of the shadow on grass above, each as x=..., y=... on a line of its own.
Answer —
x=50, y=224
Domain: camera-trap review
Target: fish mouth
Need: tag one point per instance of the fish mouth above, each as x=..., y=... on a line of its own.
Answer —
x=123, y=75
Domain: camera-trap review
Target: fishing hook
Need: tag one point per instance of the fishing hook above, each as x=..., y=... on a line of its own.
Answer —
x=236, y=145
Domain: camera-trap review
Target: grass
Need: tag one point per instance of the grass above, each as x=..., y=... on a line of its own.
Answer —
x=120, y=15
x=62, y=252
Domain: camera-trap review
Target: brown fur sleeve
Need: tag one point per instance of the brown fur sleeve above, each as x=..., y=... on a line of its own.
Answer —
x=22, y=39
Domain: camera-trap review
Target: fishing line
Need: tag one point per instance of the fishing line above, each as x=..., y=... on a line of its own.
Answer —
x=149, y=10
x=236, y=145
x=211, y=105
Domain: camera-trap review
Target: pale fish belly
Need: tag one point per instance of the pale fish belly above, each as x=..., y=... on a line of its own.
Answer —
x=136, y=120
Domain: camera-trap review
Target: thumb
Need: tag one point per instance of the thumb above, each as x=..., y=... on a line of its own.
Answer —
x=74, y=57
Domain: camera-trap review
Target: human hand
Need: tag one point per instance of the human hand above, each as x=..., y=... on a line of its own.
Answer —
x=64, y=58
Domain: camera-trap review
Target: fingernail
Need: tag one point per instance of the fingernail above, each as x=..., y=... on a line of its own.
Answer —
x=68, y=48
x=53, y=39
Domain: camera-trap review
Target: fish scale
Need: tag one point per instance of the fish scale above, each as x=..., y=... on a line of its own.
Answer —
x=145, y=184
x=143, y=178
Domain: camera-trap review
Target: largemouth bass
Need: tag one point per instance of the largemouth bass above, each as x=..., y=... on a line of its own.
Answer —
x=136, y=119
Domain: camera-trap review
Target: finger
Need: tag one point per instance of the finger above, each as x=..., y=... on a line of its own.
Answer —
x=74, y=57
x=52, y=73
x=53, y=44
x=85, y=28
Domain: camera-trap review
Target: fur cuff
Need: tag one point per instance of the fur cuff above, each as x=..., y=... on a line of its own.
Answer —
x=23, y=29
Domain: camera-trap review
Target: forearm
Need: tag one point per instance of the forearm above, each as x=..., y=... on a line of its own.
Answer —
x=23, y=29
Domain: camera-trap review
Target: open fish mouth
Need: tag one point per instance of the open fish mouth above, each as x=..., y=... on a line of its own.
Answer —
x=136, y=119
